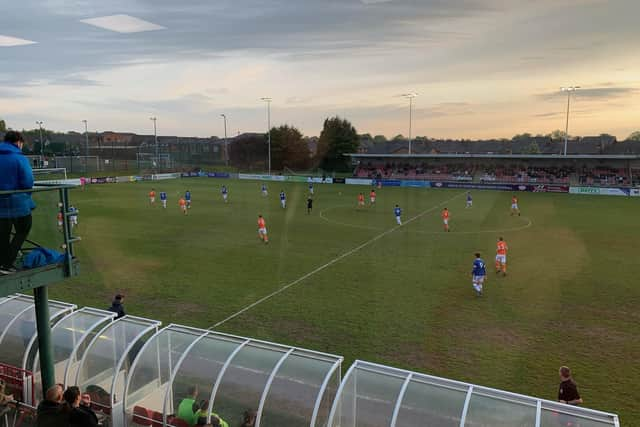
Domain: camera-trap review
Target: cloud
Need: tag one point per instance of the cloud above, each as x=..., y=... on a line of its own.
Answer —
x=74, y=81
x=321, y=57
x=11, y=93
x=593, y=93
x=8, y=41
x=606, y=92
x=548, y=115
x=123, y=24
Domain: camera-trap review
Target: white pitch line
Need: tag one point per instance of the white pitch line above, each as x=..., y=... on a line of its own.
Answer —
x=331, y=221
x=330, y=263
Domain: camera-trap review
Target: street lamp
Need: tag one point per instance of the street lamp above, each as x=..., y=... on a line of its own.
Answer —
x=86, y=139
x=40, y=123
x=568, y=89
x=155, y=137
x=410, y=95
x=268, y=101
x=226, y=145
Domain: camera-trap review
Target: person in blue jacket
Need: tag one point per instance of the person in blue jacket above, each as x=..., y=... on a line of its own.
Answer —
x=15, y=209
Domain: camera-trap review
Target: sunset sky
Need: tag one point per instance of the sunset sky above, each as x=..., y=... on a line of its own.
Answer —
x=482, y=68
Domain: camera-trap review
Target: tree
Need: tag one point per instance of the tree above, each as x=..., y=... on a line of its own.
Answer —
x=557, y=135
x=533, y=148
x=3, y=126
x=399, y=137
x=247, y=151
x=288, y=148
x=338, y=137
x=379, y=139
x=635, y=136
x=521, y=137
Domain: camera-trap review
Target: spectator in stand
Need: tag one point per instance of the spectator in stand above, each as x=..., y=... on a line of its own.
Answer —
x=5, y=399
x=188, y=409
x=568, y=390
x=216, y=421
x=78, y=415
x=117, y=306
x=15, y=209
x=249, y=419
x=49, y=412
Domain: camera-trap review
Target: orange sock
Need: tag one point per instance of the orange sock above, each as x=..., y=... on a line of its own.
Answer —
x=266, y=239
x=497, y=265
x=504, y=268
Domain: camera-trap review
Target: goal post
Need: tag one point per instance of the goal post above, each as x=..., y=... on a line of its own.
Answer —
x=50, y=175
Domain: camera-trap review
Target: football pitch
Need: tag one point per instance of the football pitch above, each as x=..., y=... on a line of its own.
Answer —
x=347, y=280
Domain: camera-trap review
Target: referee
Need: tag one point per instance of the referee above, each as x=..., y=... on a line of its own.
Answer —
x=568, y=389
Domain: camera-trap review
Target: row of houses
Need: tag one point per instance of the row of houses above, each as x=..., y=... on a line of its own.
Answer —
x=596, y=145
x=130, y=146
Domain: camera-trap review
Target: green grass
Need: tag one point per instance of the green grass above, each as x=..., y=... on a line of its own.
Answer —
x=571, y=296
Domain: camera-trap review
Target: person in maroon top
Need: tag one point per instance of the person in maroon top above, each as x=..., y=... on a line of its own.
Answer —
x=568, y=390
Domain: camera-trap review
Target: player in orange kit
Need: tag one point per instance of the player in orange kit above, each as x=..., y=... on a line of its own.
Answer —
x=262, y=229
x=514, y=205
x=360, y=199
x=501, y=256
x=152, y=196
x=445, y=218
x=372, y=197
x=183, y=205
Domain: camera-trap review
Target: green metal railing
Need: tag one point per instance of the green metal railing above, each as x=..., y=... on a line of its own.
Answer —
x=39, y=279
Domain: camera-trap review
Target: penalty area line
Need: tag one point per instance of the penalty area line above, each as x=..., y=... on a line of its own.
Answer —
x=330, y=263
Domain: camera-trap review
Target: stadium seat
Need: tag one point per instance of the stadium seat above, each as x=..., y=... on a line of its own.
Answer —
x=177, y=422
x=157, y=419
x=141, y=416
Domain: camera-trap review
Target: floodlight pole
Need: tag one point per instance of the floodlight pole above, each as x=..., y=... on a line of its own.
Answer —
x=155, y=137
x=39, y=123
x=268, y=101
x=226, y=144
x=86, y=139
x=86, y=145
x=568, y=89
x=410, y=96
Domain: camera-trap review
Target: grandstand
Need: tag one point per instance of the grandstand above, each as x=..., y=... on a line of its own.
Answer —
x=600, y=170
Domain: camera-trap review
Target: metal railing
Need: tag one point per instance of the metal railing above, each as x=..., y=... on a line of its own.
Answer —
x=66, y=245
x=39, y=279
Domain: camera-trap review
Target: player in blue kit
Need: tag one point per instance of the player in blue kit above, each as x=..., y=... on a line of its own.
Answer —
x=478, y=274
x=283, y=199
x=469, y=199
x=264, y=190
x=225, y=193
x=187, y=198
x=310, y=180
x=398, y=212
x=163, y=199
